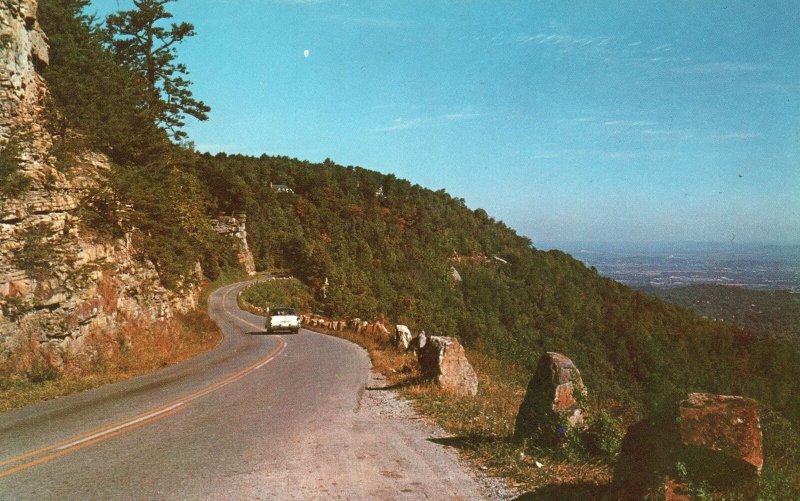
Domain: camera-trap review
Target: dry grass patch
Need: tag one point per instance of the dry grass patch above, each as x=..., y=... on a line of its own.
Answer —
x=33, y=374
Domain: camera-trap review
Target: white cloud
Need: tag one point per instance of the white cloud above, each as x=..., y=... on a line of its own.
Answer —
x=369, y=22
x=665, y=132
x=406, y=123
x=577, y=120
x=566, y=42
x=401, y=123
x=461, y=116
x=618, y=49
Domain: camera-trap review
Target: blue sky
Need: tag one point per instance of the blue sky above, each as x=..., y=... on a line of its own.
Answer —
x=569, y=121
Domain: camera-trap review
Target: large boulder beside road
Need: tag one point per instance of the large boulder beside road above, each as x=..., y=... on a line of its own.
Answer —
x=552, y=401
x=402, y=337
x=443, y=360
x=709, y=441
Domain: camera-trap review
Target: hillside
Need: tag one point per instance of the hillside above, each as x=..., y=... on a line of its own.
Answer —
x=94, y=164
x=388, y=247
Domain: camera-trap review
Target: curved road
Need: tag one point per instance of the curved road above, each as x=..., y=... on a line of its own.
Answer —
x=259, y=417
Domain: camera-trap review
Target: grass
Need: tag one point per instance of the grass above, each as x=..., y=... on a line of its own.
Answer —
x=139, y=347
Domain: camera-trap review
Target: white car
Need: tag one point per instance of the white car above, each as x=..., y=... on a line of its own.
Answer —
x=282, y=318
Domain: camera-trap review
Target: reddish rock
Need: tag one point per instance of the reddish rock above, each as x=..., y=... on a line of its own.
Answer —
x=551, y=401
x=443, y=359
x=711, y=440
x=723, y=423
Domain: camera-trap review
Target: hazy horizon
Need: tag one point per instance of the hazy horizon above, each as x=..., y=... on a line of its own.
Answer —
x=619, y=121
x=546, y=244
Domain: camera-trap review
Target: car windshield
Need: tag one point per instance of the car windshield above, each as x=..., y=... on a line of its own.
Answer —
x=282, y=311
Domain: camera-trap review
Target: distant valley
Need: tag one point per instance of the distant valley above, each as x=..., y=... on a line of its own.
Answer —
x=755, y=287
x=668, y=265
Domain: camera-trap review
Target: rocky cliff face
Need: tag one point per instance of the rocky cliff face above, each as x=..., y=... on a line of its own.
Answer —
x=58, y=282
x=24, y=50
x=235, y=227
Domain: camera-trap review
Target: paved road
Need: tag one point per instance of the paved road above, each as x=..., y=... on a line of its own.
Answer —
x=260, y=417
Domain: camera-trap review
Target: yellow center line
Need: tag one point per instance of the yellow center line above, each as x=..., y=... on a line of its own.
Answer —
x=104, y=433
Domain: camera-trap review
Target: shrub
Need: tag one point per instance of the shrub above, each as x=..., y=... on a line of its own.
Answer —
x=283, y=292
x=604, y=435
x=12, y=181
x=38, y=251
x=15, y=307
x=31, y=361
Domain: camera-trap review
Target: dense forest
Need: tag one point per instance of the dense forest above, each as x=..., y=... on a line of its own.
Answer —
x=383, y=245
x=763, y=313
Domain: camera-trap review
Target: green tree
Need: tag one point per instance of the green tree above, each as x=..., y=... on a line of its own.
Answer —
x=143, y=44
x=12, y=180
x=97, y=102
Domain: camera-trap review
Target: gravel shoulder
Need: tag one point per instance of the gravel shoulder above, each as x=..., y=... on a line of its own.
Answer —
x=380, y=402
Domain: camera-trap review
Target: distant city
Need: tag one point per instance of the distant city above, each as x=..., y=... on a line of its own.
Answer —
x=666, y=265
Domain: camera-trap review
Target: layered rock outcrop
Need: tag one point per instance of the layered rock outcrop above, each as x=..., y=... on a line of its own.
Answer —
x=235, y=227
x=58, y=281
x=23, y=51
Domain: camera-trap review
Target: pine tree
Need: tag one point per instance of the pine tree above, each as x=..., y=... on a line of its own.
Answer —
x=91, y=93
x=143, y=44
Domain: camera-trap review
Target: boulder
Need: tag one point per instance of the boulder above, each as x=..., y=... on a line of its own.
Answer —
x=724, y=423
x=443, y=360
x=402, y=337
x=419, y=342
x=377, y=329
x=709, y=440
x=551, y=405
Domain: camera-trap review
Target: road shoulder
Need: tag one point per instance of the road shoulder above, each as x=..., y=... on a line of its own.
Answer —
x=380, y=402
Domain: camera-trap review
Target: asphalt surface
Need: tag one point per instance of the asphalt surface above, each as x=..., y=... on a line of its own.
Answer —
x=259, y=417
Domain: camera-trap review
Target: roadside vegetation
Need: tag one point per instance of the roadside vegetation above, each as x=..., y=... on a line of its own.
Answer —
x=278, y=292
